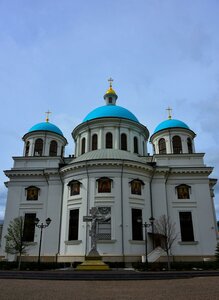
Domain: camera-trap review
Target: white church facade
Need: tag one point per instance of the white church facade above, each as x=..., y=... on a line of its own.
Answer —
x=113, y=171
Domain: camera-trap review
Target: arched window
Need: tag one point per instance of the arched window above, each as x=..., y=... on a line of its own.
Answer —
x=38, y=148
x=83, y=143
x=94, y=142
x=109, y=140
x=27, y=147
x=53, y=148
x=162, y=146
x=135, y=145
x=189, y=144
x=123, y=141
x=177, y=144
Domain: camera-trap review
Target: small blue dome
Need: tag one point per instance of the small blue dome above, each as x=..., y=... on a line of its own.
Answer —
x=46, y=126
x=110, y=111
x=170, y=123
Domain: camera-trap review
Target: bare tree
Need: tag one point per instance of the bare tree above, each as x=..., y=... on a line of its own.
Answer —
x=14, y=239
x=165, y=228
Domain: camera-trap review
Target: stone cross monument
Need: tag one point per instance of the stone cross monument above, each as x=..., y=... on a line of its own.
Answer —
x=94, y=217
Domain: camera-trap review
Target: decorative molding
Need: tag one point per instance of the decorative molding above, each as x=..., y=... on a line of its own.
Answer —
x=106, y=241
x=137, y=242
x=76, y=242
x=188, y=243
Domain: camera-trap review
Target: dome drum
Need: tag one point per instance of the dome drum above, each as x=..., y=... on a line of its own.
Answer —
x=173, y=141
x=124, y=134
x=40, y=141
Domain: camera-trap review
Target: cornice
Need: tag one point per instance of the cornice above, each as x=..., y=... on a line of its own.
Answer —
x=106, y=163
x=30, y=172
x=191, y=170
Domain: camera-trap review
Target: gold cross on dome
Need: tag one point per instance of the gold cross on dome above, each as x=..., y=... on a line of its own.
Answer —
x=110, y=81
x=47, y=115
x=169, y=113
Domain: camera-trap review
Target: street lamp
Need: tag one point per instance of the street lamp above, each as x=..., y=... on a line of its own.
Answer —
x=41, y=226
x=146, y=226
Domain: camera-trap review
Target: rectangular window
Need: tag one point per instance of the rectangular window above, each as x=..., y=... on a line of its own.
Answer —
x=73, y=225
x=75, y=188
x=32, y=193
x=104, y=185
x=183, y=191
x=137, y=230
x=186, y=226
x=104, y=227
x=136, y=187
x=29, y=227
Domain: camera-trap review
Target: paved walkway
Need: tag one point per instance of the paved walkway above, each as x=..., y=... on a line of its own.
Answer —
x=178, y=289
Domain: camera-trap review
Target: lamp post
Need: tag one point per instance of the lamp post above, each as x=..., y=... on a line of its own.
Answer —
x=146, y=226
x=41, y=226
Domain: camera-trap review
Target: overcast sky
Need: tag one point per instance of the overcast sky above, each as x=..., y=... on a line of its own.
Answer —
x=58, y=55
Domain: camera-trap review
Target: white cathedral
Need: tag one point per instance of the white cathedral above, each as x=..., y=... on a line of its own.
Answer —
x=113, y=171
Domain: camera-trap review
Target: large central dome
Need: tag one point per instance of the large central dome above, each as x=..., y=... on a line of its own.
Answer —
x=110, y=111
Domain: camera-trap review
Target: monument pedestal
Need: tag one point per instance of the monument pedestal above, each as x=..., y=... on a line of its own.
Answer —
x=93, y=263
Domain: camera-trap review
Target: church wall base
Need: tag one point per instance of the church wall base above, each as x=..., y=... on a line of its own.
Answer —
x=112, y=259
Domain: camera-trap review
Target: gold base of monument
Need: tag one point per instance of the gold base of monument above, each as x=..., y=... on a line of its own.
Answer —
x=93, y=264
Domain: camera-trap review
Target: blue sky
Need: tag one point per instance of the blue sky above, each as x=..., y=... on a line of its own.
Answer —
x=58, y=55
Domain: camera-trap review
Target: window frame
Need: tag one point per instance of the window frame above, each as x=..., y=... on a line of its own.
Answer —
x=137, y=228
x=74, y=191
x=181, y=193
x=83, y=145
x=186, y=226
x=35, y=195
x=123, y=142
x=189, y=145
x=29, y=228
x=108, y=188
x=53, y=152
x=135, y=144
x=109, y=140
x=73, y=225
x=27, y=148
x=38, y=147
x=134, y=186
x=94, y=143
x=162, y=146
x=177, y=144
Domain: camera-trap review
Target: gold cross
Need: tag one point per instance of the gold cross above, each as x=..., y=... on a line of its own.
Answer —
x=110, y=81
x=47, y=115
x=169, y=113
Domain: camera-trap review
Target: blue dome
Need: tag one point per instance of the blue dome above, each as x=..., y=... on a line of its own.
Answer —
x=46, y=126
x=110, y=111
x=170, y=123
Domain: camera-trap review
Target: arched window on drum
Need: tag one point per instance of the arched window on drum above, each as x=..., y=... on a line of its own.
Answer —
x=123, y=141
x=177, y=144
x=162, y=146
x=38, y=147
x=53, y=148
